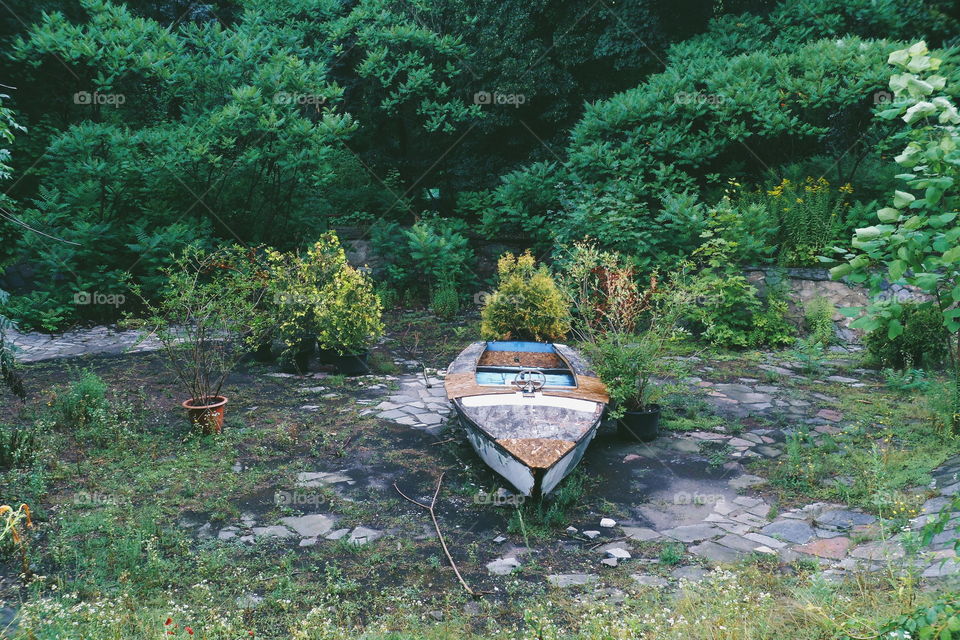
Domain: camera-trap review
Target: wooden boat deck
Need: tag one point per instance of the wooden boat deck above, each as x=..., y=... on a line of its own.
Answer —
x=461, y=381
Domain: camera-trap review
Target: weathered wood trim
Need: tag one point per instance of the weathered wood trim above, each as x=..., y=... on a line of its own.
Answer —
x=461, y=385
x=578, y=364
x=537, y=453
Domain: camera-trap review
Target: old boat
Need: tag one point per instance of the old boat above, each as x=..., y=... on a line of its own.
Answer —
x=530, y=409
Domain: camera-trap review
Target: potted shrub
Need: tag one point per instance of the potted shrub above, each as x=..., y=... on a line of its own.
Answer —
x=625, y=363
x=295, y=296
x=625, y=330
x=349, y=319
x=527, y=304
x=207, y=319
x=321, y=300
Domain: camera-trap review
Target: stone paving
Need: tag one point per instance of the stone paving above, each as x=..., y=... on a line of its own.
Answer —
x=33, y=347
x=308, y=530
x=421, y=404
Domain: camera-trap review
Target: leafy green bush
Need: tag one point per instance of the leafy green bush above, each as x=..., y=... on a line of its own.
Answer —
x=294, y=300
x=620, y=218
x=348, y=319
x=94, y=260
x=527, y=304
x=317, y=294
x=40, y=310
x=420, y=259
x=731, y=311
x=923, y=343
x=907, y=380
x=674, y=132
x=747, y=228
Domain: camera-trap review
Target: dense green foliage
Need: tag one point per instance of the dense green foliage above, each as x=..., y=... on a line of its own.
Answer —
x=431, y=255
x=917, y=242
x=650, y=127
x=924, y=342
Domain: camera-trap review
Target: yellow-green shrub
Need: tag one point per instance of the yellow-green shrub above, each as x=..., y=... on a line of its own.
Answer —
x=349, y=319
x=318, y=293
x=527, y=305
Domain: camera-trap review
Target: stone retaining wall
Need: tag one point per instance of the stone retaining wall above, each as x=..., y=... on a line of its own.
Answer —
x=807, y=284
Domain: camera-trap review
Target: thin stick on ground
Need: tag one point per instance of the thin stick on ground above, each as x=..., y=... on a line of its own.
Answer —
x=436, y=525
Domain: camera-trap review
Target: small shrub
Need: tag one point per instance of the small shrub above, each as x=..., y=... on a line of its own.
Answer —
x=84, y=411
x=349, y=321
x=731, y=311
x=818, y=315
x=733, y=314
x=923, y=342
x=420, y=259
x=446, y=300
x=527, y=305
x=18, y=447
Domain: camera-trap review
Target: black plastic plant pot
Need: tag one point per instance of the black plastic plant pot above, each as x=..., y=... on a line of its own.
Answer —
x=643, y=426
x=326, y=356
x=353, y=365
x=301, y=362
x=301, y=357
x=264, y=352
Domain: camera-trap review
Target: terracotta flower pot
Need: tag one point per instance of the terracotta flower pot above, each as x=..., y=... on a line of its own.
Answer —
x=207, y=417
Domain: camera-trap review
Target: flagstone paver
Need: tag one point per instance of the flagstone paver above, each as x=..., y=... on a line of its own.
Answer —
x=416, y=404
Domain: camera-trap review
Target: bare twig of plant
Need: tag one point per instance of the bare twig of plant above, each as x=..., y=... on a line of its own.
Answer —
x=411, y=350
x=410, y=344
x=436, y=526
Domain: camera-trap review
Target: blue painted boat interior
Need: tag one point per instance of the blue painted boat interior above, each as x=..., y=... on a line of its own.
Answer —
x=528, y=347
x=502, y=378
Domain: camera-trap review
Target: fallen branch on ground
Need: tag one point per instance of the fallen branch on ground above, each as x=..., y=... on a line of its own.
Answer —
x=436, y=525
